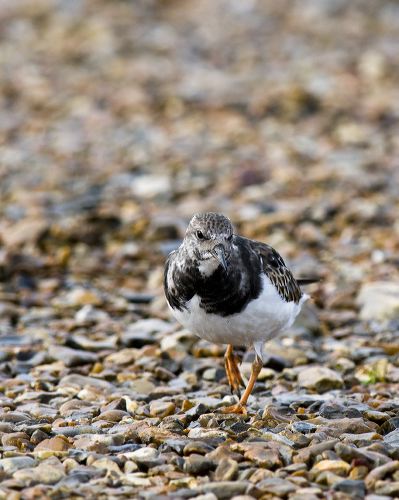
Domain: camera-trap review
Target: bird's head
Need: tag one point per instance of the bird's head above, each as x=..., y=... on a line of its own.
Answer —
x=208, y=240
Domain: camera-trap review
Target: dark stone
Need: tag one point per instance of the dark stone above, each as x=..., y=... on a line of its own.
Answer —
x=354, y=488
x=304, y=427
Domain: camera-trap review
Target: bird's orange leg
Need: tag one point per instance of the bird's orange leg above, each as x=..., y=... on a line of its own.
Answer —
x=240, y=406
x=232, y=370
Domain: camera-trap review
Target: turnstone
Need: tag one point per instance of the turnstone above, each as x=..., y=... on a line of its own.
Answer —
x=231, y=290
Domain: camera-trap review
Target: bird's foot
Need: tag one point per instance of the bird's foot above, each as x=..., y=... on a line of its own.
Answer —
x=233, y=372
x=237, y=408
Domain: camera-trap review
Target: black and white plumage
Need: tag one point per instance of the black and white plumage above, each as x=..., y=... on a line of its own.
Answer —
x=247, y=303
x=230, y=290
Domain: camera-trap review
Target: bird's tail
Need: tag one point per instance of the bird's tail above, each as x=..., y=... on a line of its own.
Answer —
x=307, y=281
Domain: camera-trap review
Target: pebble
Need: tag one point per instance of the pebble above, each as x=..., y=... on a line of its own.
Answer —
x=320, y=378
x=148, y=457
x=379, y=301
x=161, y=408
x=72, y=357
x=12, y=464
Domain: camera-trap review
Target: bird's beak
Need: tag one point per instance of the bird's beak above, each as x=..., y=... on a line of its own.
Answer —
x=219, y=253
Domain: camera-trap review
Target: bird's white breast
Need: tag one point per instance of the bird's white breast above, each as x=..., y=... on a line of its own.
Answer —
x=261, y=319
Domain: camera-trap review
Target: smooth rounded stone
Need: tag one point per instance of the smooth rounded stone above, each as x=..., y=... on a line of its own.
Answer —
x=276, y=486
x=263, y=456
x=47, y=472
x=348, y=453
x=17, y=439
x=310, y=493
x=353, y=488
x=86, y=343
x=359, y=472
x=136, y=480
x=320, y=378
x=142, y=386
x=12, y=464
x=76, y=406
x=197, y=464
x=144, y=332
x=327, y=478
x=379, y=301
x=380, y=472
x=226, y=470
x=390, y=488
x=200, y=447
x=107, y=464
x=146, y=456
x=6, y=428
x=14, y=417
x=72, y=357
x=38, y=436
x=162, y=408
x=214, y=434
x=97, y=442
x=80, y=381
x=112, y=416
x=55, y=444
x=224, y=490
x=361, y=439
x=338, y=467
x=379, y=417
x=337, y=427
x=76, y=430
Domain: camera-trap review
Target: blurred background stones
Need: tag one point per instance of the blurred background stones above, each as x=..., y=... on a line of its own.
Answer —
x=119, y=120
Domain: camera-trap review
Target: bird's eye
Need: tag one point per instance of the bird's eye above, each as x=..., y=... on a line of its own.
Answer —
x=200, y=235
x=229, y=238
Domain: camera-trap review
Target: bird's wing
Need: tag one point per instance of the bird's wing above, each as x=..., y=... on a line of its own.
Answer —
x=275, y=269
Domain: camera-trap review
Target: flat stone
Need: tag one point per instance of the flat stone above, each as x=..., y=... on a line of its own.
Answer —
x=72, y=357
x=320, y=378
x=47, y=472
x=226, y=470
x=392, y=438
x=262, y=456
x=12, y=464
x=389, y=488
x=81, y=381
x=380, y=472
x=224, y=490
x=354, y=488
x=149, y=457
x=57, y=443
x=336, y=466
x=197, y=464
x=276, y=486
x=161, y=408
x=379, y=301
x=200, y=433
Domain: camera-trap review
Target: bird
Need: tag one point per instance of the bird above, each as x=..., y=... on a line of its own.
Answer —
x=228, y=289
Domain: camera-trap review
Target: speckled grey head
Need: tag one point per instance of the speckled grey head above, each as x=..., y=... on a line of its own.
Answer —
x=209, y=238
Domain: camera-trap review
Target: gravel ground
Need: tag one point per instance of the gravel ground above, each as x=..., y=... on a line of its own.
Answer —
x=118, y=121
